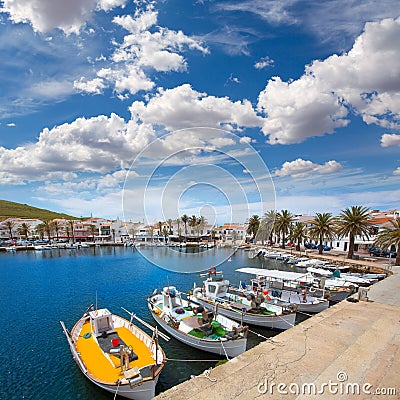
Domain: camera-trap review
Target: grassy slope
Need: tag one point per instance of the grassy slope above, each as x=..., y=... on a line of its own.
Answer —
x=17, y=210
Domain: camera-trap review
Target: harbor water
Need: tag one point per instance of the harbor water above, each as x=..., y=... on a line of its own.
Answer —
x=38, y=289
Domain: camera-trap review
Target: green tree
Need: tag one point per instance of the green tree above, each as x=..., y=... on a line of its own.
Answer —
x=10, y=226
x=298, y=234
x=70, y=224
x=151, y=233
x=178, y=222
x=93, y=230
x=353, y=221
x=284, y=220
x=169, y=223
x=252, y=226
x=193, y=222
x=55, y=227
x=185, y=220
x=389, y=236
x=270, y=220
x=48, y=229
x=40, y=230
x=322, y=227
x=23, y=230
x=165, y=233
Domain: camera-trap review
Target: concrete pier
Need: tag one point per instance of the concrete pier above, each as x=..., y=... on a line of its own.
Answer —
x=351, y=350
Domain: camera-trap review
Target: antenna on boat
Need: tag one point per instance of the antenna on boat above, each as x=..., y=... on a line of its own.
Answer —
x=96, y=301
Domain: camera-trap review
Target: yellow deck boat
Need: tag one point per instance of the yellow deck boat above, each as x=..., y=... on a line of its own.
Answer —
x=115, y=354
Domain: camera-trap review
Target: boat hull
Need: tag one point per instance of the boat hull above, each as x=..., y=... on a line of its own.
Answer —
x=143, y=390
x=313, y=307
x=278, y=322
x=231, y=348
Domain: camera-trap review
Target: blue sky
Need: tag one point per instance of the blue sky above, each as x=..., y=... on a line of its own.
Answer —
x=153, y=109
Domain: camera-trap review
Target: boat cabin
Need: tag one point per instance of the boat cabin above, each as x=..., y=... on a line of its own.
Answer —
x=101, y=322
x=171, y=298
x=216, y=288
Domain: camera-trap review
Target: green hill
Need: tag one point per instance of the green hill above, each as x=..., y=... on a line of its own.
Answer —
x=9, y=209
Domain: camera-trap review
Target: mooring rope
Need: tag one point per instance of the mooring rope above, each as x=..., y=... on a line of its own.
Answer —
x=223, y=347
x=181, y=360
x=205, y=374
x=115, y=395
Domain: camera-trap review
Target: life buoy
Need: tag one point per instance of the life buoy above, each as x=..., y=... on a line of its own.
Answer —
x=212, y=271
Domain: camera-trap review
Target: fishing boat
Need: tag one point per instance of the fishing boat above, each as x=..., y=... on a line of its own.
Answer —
x=195, y=326
x=283, y=287
x=115, y=354
x=251, y=310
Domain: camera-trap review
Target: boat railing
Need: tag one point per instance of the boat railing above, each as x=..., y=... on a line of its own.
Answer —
x=78, y=329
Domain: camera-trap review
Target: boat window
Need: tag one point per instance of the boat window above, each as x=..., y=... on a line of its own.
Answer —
x=211, y=288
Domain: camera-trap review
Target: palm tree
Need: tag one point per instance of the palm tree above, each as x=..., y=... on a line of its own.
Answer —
x=151, y=233
x=70, y=224
x=193, y=221
x=389, y=236
x=352, y=222
x=10, y=227
x=24, y=229
x=93, y=230
x=298, y=234
x=185, y=220
x=169, y=223
x=262, y=232
x=284, y=220
x=40, y=230
x=252, y=226
x=270, y=220
x=48, y=229
x=322, y=227
x=160, y=224
x=165, y=233
x=201, y=222
x=178, y=222
x=55, y=226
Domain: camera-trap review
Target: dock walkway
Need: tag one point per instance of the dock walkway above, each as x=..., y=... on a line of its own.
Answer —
x=349, y=351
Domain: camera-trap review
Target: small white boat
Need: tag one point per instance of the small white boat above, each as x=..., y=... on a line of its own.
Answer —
x=115, y=354
x=281, y=287
x=241, y=308
x=195, y=326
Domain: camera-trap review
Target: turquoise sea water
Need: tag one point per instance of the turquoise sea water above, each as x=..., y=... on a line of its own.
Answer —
x=38, y=289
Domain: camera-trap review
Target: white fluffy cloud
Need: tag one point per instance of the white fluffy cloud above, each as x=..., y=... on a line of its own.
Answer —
x=46, y=15
x=300, y=168
x=390, y=140
x=99, y=144
x=367, y=79
x=103, y=145
x=140, y=50
x=264, y=62
x=183, y=107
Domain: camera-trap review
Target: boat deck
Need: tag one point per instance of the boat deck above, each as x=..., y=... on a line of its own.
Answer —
x=104, y=366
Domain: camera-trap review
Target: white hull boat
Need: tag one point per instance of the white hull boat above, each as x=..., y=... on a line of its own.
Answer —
x=280, y=287
x=115, y=354
x=195, y=326
x=239, y=308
